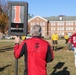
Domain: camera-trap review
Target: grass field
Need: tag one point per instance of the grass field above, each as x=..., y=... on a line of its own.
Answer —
x=63, y=63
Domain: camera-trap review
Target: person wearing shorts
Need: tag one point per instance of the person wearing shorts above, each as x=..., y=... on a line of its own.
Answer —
x=54, y=41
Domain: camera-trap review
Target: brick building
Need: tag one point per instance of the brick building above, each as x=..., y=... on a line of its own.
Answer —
x=60, y=24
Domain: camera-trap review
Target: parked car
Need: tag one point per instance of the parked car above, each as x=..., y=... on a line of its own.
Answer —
x=8, y=37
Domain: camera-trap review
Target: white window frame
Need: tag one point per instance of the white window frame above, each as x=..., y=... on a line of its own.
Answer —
x=53, y=23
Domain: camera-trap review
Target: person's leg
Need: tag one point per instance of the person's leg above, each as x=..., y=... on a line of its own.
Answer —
x=53, y=45
x=75, y=55
x=66, y=41
x=56, y=45
x=69, y=46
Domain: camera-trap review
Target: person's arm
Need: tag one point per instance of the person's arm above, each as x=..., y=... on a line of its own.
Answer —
x=19, y=50
x=50, y=54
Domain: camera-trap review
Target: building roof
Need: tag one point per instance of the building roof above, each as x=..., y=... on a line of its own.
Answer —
x=36, y=17
x=64, y=18
x=56, y=18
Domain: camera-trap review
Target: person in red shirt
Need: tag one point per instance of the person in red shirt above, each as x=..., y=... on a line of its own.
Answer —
x=73, y=41
x=37, y=52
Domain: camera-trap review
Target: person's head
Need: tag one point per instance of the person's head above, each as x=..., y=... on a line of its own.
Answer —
x=55, y=32
x=66, y=33
x=36, y=30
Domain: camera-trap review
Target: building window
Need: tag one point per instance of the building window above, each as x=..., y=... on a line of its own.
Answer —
x=43, y=33
x=75, y=28
x=37, y=23
x=53, y=28
x=69, y=23
x=53, y=23
x=32, y=23
x=69, y=28
x=60, y=28
x=42, y=23
x=60, y=23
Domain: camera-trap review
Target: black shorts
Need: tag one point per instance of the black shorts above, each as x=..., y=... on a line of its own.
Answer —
x=66, y=40
x=55, y=42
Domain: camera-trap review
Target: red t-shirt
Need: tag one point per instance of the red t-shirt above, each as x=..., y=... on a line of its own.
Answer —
x=73, y=39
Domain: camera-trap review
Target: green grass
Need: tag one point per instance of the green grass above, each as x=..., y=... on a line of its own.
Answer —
x=7, y=60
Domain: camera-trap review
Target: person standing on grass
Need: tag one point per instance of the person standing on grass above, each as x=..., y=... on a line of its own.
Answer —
x=73, y=41
x=69, y=44
x=66, y=38
x=37, y=52
x=23, y=37
x=54, y=39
